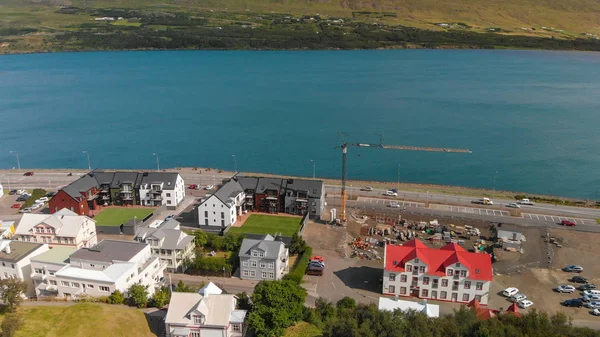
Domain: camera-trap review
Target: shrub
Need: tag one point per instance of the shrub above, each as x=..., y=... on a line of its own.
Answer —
x=116, y=297
x=299, y=269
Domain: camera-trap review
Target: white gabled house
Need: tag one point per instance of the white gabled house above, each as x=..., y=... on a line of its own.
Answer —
x=162, y=188
x=222, y=208
x=15, y=261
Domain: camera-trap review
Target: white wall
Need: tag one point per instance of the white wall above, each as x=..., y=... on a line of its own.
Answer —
x=22, y=269
x=214, y=207
x=1, y=190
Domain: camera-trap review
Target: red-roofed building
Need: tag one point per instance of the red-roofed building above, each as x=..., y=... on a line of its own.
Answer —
x=446, y=274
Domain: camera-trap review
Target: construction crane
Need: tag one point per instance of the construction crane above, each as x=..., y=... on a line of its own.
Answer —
x=344, y=147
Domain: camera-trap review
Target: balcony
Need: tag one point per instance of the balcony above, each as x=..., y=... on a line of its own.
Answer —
x=38, y=276
x=127, y=197
x=155, y=191
x=156, y=197
x=126, y=190
x=105, y=197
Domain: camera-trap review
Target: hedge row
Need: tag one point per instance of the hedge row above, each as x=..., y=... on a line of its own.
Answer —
x=299, y=268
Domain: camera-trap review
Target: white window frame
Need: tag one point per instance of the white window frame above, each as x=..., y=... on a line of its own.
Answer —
x=263, y=265
x=253, y=264
x=271, y=275
x=75, y=285
x=245, y=263
x=253, y=273
x=245, y=272
x=102, y=289
x=271, y=265
x=63, y=283
x=261, y=254
x=236, y=327
x=264, y=275
x=254, y=253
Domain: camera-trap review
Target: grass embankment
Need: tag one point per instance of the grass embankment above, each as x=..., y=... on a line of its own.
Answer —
x=302, y=329
x=35, y=195
x=268, y=224
x=118, y=216
x=82, y=320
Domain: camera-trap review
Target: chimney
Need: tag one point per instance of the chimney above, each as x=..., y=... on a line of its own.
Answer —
x=7, y=248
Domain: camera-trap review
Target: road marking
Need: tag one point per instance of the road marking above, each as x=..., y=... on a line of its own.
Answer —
x=470, y=210
x=333, y=284
x=388, y=201
x=557, y=218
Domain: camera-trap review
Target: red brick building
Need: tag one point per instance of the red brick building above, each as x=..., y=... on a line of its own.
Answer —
x=79, y=196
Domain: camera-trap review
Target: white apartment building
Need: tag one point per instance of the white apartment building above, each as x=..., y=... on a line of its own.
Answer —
x=446, y=274
x=222, y=208
x=63, y=228
x=263, y=259
x=108, y=266
x=209, y=314
x=167, y=242
x=44, y=268
x=15, y=262
x=162, y=188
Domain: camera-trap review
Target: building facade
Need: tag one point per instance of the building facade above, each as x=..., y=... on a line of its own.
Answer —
x=63, y=228
x=222, y=208
x=44, y=268
x=108, y=266
x=446, y=274
x=263, y=259
x=15, y=261
x=155, y=190
x=210, y=314
x=167, y=242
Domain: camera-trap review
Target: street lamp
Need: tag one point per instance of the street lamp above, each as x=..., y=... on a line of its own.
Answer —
x=494, y=192
x=18, y=162
x=313, y=162
x=234, y=162
x=398, y=177
x=88, y=158
x=157, y=161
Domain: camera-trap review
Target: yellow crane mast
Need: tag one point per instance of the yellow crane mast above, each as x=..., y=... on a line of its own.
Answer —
x=344, y=147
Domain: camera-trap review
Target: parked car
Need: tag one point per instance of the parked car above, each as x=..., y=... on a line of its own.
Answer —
x=169, y=217
x=579, y=279
x=43, y=199
x=573, y=268
x=508, y=292
x=23, y=197
x=15, y=206
x=593, y=305
x=587, y=286
x=316, y=264
x=591, y=292
x=565, y=288
x=588, y=298
x=518, y=297
x=28, y=174
x=209, y=187
x=513, y=205
x=26, y=210
x=37, y=205
x=317, y=258
x=525, y=304
x=568, y=223
x=575, y=302
x=192, y=186
x=21, y=192
x=595, y=312
x=50, y=194
x=367, y=189
x=394, y=204
x=391, y=193
x=12, y=192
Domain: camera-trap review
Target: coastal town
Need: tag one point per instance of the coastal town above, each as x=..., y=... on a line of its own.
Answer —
x=194, y=242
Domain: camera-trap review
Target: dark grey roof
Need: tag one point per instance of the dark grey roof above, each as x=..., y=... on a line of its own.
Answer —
x=248, y=183
x=125, y=177
x=268, y=184
x=173, y=238
x=313, y=187
x=229, y=190
x=267, y=245
x=83, y=184
x=287, y=240
x=109, y=251
x=168, y=178
x=18, y=251
x=104, y=177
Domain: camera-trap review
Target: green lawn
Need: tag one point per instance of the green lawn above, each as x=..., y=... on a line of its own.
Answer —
x=302, y=329
x=117, y=216
x=269, y=224
x=83, y=320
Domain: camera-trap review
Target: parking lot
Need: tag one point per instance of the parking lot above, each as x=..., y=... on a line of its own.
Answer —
x=558, y=219
x=388, y=201
x=470, y=210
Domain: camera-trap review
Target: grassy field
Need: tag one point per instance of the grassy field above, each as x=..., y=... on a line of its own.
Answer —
x=302, y=329
x=117, y=216
x=83, y=320
x=268, y=224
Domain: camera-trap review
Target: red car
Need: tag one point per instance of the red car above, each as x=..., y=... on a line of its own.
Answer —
x=28, y=174
x=568, y=223
x=16, y=206
x=317, y=258
x=192, y=187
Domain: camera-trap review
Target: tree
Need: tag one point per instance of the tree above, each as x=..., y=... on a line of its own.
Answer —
x=116, y=297
x=346, y=303
x=244, y=302
x=11, y=290
x=183, y=288
x=161, y=297
x=138, y=294
x=11, y=323
x=298, y=245
x=200, y=238
x=276, y=306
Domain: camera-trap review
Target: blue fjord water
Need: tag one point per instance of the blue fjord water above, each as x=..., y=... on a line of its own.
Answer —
x=530, y=115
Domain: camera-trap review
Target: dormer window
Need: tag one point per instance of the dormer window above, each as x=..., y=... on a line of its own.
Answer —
x=416, y=260
x=198, y=319
x=261, y=254
x=457, y=265
x=254, y=253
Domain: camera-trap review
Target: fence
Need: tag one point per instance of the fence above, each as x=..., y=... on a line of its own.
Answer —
x=303, y=224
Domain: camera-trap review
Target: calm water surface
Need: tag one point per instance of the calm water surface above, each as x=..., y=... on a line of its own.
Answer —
x=532, y=116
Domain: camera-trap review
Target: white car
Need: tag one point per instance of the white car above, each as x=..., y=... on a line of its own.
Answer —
x=565, y=288
x=37, y=205
x=511, y=291
x=26, y=210
x=513, y=205
x=593, y=305
x=596, y=312
x=591, y=298
x=518, y=297
x=43, y=199
x=525, y=304
x=367, y=189
x=21, y=192
x=394, y=204
x=591, y=292
x=391, y=193
x=209, y=187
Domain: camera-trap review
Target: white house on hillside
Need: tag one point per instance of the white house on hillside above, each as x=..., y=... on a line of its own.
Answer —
x=162, y=188
x=63, y=228
x=222, y=208
x=15, y=259
x=44, y=268
x=209, y=314
x=108, y=266
x=169, y=243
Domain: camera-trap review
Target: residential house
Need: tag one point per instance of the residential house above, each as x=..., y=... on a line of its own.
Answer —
x=44, y=268
x=446, y=274
x=267, y=195
x=7, y=229
x=169, y=243
x=393, y=304
x=108, y=266
x=15, y=257
x=263, y=259
x=222, y=208
x=63, y=228
x=103, y=188
x=304, y=196
x=161, y=188
x=209, y=314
